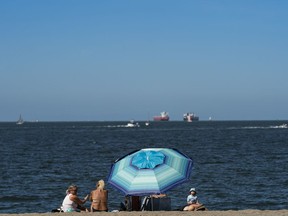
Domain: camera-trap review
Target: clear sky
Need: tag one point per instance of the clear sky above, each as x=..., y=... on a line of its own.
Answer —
x=131, y=59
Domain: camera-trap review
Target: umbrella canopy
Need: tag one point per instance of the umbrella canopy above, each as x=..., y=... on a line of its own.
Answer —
x=150, y=171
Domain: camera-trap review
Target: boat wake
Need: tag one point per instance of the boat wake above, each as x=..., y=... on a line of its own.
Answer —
x=280, y=126
x=268, y=127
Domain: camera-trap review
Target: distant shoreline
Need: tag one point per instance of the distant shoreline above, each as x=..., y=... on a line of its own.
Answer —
x=166, y=213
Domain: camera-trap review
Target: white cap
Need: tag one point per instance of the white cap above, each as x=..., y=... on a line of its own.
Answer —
x=192, y=189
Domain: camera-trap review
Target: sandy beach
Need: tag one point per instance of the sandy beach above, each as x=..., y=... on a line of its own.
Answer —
x=166, y=213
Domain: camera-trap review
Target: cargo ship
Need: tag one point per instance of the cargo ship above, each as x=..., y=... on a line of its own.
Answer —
x=163, y=117
x=189, y=117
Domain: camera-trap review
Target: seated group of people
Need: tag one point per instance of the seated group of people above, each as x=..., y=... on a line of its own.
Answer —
x=99, y=198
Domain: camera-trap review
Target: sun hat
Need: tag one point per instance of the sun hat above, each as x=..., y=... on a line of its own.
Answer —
x=192, y=189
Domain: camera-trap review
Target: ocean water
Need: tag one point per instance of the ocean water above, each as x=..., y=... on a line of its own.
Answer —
x=237, y=164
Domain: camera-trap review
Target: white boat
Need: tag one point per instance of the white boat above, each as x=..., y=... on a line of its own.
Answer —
x=20, y=120
x=280, y=126
x=132, y=123
x=147, y=123
x=283, y=126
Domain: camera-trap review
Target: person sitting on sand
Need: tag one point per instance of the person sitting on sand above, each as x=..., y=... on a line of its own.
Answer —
x=99, y=197
x=71, y=202
x=192, y=201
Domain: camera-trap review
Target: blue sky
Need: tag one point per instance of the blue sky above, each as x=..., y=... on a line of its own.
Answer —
x=120, y=60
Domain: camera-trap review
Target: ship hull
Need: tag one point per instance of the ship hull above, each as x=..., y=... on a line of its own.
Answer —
x=191, y=119
x=160, y=118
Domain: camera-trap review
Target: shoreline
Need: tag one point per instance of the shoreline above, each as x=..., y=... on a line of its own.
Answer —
x=248, y=212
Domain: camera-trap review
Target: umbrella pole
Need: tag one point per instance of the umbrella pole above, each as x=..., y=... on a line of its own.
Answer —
x=152, y=205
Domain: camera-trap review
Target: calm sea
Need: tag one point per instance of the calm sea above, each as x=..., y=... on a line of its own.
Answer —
x=237, y=164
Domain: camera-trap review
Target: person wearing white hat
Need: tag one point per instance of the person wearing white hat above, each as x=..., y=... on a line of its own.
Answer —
x=192, y=201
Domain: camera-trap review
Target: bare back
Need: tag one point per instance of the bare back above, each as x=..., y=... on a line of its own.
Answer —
x=98, y=200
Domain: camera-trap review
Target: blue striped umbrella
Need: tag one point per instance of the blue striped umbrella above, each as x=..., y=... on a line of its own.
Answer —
x=150, y=171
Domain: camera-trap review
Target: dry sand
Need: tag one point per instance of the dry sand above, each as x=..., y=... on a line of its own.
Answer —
x=166, y=213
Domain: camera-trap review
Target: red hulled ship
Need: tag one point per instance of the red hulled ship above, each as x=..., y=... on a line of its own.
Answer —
x=163, y=117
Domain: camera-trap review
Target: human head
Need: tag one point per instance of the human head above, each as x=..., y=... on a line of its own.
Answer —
x=72, y=189
x=101, y=184
x=193, y=191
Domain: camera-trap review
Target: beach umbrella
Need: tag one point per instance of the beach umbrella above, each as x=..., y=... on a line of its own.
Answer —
x=150, y=171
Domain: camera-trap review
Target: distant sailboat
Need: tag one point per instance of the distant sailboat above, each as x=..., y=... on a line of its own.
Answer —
x=20, y=120
x=147, y=123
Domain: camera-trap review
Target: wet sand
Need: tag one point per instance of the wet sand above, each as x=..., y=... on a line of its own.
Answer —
x=166, y=213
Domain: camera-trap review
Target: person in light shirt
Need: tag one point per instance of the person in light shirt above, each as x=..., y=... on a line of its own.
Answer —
x=192, y=201
x=72, y=203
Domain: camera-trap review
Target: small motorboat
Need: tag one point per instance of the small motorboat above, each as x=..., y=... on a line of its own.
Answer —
x=132, y=123
x=283, y=126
